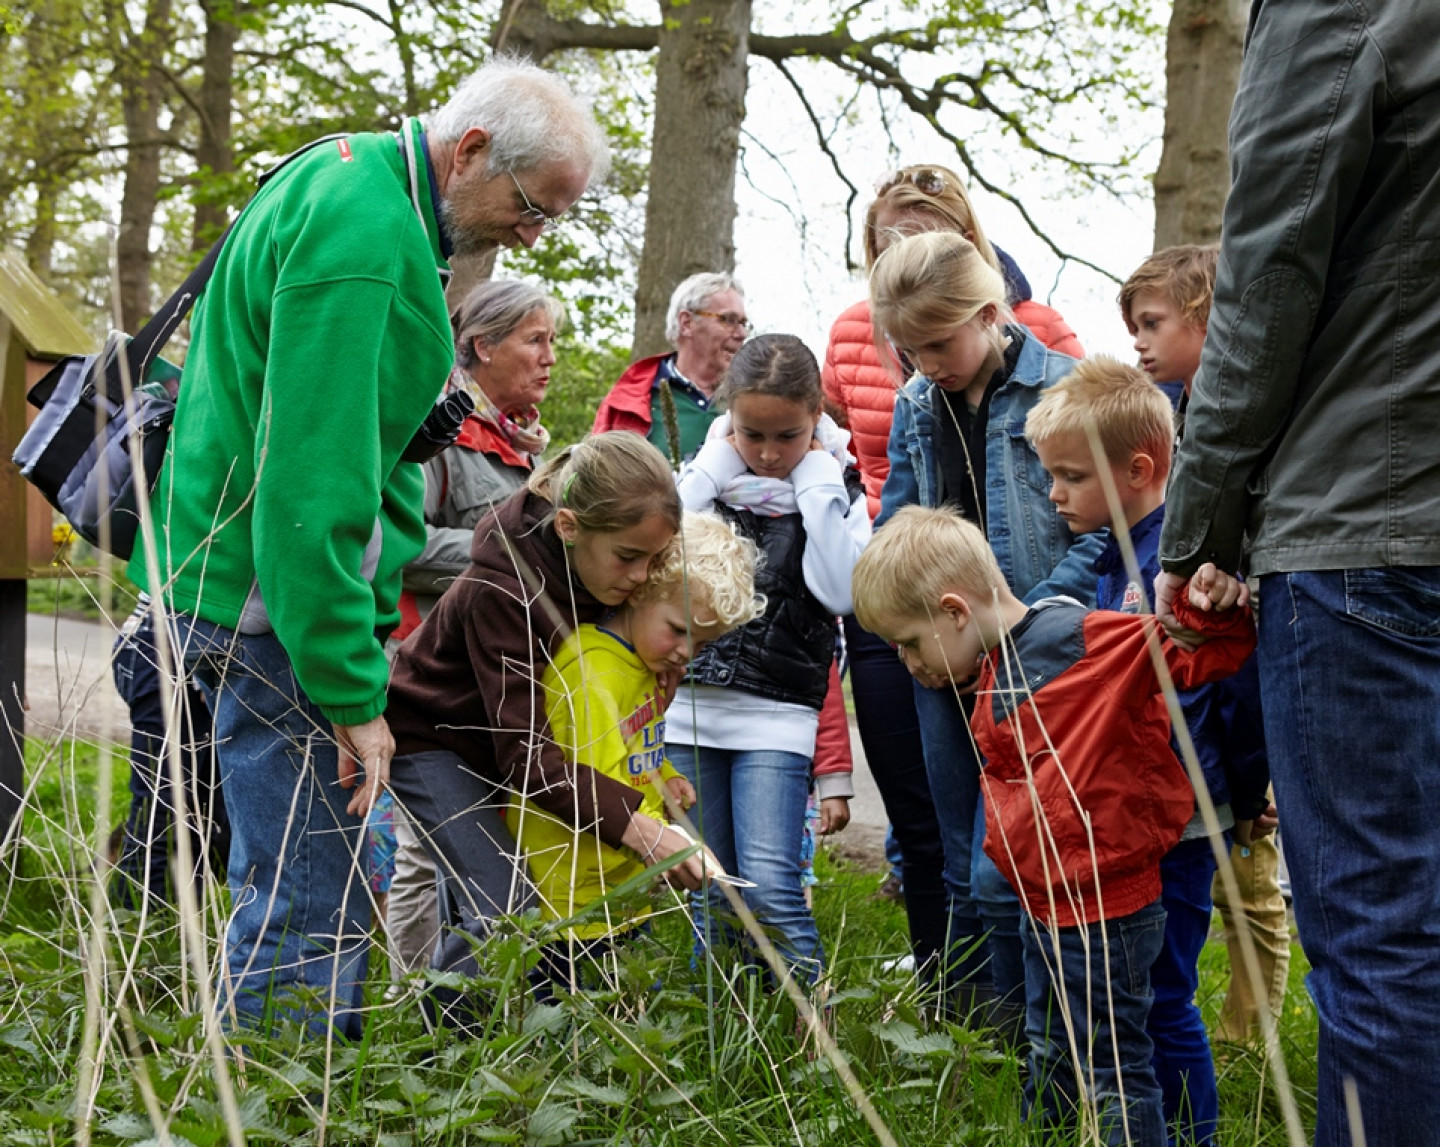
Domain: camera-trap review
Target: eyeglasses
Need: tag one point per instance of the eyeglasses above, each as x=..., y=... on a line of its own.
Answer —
x=532, y=216
x=925, y=180
x=729, y=321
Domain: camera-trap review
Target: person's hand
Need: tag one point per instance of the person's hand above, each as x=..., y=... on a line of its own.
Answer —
x=1247, y=832
x=834, y=815
x=1214, y=589
x=654, y=842
x=681, y=792
x=369, y=747
x=668, y=683
x=1168, y=587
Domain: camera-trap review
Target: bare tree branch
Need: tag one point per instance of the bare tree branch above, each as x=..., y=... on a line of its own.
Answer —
x=824, y=141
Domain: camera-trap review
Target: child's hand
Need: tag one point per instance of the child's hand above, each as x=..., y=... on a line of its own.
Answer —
x=682, y=792
x=668, y=684
x=1246, y=832
x=834, y=815
x=1213, y=589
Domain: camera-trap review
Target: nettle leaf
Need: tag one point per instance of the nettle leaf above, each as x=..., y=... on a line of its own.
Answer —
x=155, y=1027
x=18, y=1037
x=386, y=1106
x=544, y=1019
x=908, y=1039
x=549, y=1124
x=670, y=1096
x=581, y=1088
x=301, y=1078
x=128, y=1125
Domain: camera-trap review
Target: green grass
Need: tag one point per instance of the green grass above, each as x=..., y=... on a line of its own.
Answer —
x=667, y=1055
x=78, y=592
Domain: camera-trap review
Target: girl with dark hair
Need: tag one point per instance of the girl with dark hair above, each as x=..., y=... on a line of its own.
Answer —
x=742, y=728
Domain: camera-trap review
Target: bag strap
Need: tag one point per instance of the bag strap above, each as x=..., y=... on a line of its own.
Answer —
x=152, y=337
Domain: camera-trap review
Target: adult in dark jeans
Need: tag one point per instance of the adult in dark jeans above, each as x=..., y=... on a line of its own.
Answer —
x=148, y=837
x=1310, y=443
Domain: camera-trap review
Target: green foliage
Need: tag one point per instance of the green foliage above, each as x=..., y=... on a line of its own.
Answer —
x=660, y=1053
x=79, y=593
x=582, y=376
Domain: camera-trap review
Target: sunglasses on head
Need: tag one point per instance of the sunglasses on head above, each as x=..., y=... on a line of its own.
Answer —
x=925, y=180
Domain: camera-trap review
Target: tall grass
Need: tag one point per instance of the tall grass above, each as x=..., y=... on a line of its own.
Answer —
x=667, y=1053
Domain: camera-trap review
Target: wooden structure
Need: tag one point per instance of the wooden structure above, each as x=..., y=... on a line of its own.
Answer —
x=35, y=331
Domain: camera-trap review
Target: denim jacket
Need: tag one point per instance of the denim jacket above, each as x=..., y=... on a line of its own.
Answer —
x=1037, y=553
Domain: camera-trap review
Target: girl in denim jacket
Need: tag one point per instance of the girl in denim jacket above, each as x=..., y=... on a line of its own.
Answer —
x=958, y=438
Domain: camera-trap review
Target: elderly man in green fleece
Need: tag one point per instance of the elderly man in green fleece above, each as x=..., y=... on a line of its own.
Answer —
x=286, y=514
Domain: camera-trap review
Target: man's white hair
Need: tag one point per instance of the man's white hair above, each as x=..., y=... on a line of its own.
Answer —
x=532, y=116
x=693, y=293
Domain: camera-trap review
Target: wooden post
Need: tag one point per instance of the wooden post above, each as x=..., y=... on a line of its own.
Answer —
x=14, y=563
x=35, y=329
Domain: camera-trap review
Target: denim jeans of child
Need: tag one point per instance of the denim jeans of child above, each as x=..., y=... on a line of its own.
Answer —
x=1184, y=1066
x=750, y=811
x=1350, y=683
x=1101, y=1057
x=300, y=908
x=984, y=910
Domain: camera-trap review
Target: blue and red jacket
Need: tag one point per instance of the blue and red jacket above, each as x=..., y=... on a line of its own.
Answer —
x=1223, y=717
x=1083, y=793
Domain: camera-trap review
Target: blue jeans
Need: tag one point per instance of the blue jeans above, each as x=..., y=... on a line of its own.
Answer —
x=890, y=735
x=1108, y=998
x=751, y=812
x=1184, y=1067
x=999, y=907
x=143, y=865
x=1350, y=685
x=954, y=772
x=300, y=915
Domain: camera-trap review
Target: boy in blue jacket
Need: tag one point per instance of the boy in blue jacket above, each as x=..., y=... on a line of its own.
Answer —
x=1132, y=419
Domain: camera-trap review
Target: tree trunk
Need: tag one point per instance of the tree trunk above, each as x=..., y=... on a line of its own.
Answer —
x=142, y=86
x=40, y=243
x=1202, y=68
x=214, y=152
x=700, y=79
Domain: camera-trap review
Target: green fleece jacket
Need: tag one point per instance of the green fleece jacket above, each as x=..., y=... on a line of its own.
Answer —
x=319, y=344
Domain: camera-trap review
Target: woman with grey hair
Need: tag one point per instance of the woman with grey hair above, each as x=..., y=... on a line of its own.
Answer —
x=504, y=349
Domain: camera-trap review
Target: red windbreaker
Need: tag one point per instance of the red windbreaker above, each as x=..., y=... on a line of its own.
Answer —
x=1083, y=793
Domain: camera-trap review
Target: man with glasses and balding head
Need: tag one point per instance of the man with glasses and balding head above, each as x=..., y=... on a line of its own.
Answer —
x=320, y=343
x=706, y=324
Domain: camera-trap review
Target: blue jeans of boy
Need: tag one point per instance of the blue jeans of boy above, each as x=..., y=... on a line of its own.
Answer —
x=1105, y=988
x=1350, y=673
x=300, y=914
x=1184, y=1066
x=984, y=911
x=751, y=812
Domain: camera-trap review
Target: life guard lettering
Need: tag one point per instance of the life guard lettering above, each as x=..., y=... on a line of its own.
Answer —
x=642, y=716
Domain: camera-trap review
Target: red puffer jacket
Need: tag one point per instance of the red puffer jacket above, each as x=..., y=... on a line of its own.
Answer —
x=857, y=383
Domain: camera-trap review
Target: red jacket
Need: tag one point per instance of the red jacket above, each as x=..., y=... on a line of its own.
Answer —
x=1072, y=725
x=628, y=405
x=856, y=382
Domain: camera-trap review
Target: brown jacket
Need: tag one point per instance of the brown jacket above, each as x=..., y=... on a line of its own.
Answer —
x=468, y=680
